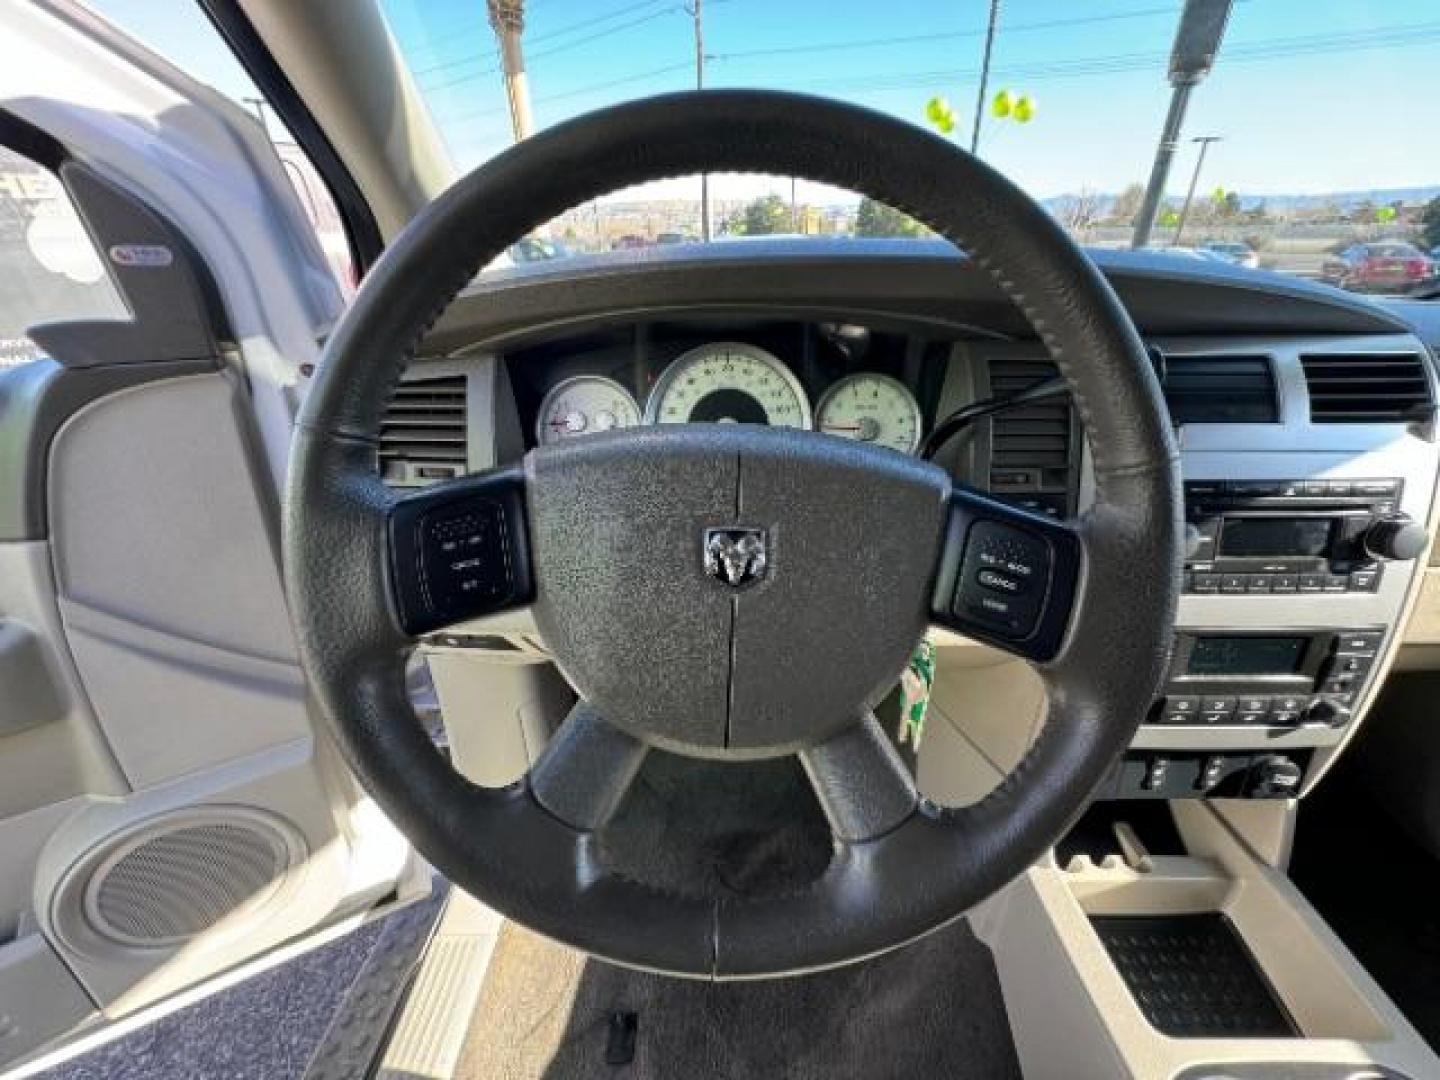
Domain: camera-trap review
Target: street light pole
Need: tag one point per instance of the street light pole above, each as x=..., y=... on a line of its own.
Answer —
x=507, y=18
x=984, y=74
x=1197, y=40
x=1204, y=141
x=695, y=9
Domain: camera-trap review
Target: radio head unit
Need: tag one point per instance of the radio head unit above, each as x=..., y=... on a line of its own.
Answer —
x=1294, y=536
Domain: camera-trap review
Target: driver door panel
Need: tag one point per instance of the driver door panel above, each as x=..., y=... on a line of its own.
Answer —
x=167, y=811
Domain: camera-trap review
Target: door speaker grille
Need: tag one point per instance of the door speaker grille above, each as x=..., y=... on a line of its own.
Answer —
x=180, y=878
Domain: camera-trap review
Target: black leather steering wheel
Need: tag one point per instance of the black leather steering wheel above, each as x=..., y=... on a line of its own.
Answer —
x=625, y=545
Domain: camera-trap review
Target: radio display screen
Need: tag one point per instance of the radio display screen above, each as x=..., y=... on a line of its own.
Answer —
x=1269, y=537
x=1211, y=656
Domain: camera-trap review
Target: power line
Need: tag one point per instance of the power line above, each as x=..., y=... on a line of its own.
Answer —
x=949, y=35
x=1117, y=63
x=567, y=46
x=580, y=91
x=548, y=36
x=1272, y=49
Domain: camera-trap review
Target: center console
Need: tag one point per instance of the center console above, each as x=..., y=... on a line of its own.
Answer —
x=1301, y=541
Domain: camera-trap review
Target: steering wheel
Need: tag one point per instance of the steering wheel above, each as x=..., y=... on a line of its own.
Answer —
x=702, y=588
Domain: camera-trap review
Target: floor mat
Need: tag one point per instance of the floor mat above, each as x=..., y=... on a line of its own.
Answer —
x=930, y=1009
x=1377, y=889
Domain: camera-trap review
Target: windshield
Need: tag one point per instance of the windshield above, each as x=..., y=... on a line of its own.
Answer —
x=1311, y=132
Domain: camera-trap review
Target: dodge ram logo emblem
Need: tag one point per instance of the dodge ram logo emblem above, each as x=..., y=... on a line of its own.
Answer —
x=735, y=556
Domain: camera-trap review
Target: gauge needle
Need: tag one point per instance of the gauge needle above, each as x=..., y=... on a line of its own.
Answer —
x=842, y=427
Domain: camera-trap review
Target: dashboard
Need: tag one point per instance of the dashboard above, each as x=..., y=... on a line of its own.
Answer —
x=1305, y=417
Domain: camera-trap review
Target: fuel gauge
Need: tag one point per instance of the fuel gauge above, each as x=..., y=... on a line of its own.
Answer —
x=872, y=408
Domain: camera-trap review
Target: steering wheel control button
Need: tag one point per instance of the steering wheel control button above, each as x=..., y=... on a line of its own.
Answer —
x=458, y=552
x=465, y=561
x=1002, y=578
x=995, y=581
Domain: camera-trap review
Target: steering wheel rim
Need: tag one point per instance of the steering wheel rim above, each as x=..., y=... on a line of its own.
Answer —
x=902, y=867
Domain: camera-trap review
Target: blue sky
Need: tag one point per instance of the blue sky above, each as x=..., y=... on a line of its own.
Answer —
x=1309, y=95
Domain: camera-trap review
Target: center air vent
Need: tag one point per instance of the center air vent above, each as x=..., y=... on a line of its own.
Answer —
x=1220, y=390
x=423, y=437
x=1367, y=388
x=1032, y=449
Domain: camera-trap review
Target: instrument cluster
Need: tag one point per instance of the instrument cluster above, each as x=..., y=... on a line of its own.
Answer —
x=730, y=382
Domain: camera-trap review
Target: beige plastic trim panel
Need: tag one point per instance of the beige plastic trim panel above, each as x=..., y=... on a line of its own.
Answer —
x=48, y=763
x=1073, y=1016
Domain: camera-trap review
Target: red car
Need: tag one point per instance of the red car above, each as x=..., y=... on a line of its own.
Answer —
x=1388, y=266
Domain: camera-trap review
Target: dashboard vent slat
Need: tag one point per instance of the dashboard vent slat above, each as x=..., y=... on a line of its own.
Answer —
x=1034, y=437
x=423, y=438
x=1220, y=389
x=1368, y=388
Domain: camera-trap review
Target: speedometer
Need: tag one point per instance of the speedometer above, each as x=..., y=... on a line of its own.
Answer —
x=728, y=383
x=871, y=408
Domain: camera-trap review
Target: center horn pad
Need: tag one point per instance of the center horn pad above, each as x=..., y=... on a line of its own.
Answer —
x=728, y=591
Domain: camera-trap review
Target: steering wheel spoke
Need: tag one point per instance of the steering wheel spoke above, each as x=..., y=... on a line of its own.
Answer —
x=1006, y=576
x=586, y=770
x=460, y=550
x=861, y=783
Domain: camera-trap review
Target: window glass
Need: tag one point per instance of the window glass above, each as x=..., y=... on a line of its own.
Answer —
x=49, y=268
x=179, y=31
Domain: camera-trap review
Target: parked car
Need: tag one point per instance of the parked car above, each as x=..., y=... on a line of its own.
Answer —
x=538, y=249
x=1386, y=266
x=629, y=242
x=1241, y=254
x=666, y=238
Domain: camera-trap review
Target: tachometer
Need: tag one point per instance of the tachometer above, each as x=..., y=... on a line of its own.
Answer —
x=872, y=408
x=582, y=406
x=728, y=382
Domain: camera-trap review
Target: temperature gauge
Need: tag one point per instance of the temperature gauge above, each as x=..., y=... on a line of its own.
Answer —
x=582, y=406
x=871, y=408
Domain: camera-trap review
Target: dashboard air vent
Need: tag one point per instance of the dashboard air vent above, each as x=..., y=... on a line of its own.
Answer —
x=1037, y=436
x=423, y=437
x=1367, y=388
x=1220, y=390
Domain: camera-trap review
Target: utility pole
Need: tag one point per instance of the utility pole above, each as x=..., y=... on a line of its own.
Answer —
x=695, y=8
x=794, y=208
x=507, y=18
x=1204, y=141
x=1202, y=24
x=984, y=74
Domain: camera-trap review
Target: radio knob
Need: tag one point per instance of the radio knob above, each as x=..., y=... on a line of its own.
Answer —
x=1396, y=538
x=1194, y=540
